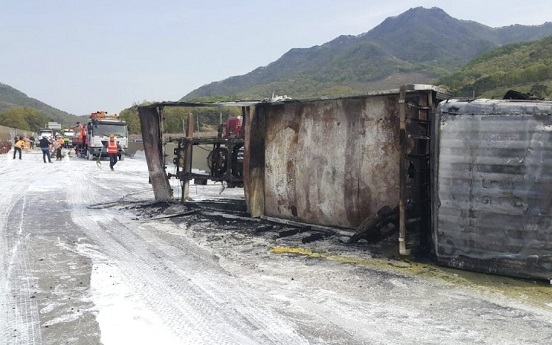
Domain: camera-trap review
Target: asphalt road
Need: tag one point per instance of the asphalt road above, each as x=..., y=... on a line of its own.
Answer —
x=88, y=258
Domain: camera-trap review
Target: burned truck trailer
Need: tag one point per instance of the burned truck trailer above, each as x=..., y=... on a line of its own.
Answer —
x=492, y=186
x=340, y=161
x=329, y=162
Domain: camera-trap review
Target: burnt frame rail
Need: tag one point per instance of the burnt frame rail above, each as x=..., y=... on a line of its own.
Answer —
x=183, y=153
x=151, y=121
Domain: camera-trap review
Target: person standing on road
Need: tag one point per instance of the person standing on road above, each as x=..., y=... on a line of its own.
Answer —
x=59, y=147
x=112, y=150
x=27, y=143
x=44, y=145
x=19, y=144
x=55, y=146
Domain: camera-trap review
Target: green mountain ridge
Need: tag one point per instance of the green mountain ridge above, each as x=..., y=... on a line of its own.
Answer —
x=425, y=46
x=527, y=67
x=13, y=98
x=417, y=46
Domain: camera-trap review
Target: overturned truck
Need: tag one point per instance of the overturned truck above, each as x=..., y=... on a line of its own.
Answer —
x=466, y=180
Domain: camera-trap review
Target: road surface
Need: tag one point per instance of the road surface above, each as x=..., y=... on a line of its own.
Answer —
x=87, y=258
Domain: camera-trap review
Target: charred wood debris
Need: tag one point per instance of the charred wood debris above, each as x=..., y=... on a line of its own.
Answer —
x=231, y=214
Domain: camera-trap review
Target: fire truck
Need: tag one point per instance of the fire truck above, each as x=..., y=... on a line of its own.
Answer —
x=90, y=140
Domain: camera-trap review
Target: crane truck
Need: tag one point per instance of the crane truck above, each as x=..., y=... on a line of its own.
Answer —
x=90, y=140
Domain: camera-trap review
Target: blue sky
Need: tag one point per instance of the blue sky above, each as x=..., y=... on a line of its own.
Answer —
x=81, y=56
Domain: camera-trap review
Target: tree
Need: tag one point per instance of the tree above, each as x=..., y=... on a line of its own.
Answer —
x=174, y=117
x=130, y=115
x=24, y=118
x=15, y=118
x=34, y=118
x=539, y=90
x=10, y=118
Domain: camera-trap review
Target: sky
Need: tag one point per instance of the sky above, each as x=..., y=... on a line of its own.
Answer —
x=82, y=56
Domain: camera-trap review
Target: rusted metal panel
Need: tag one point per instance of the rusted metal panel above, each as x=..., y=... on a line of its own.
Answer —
x=330, y=161
x=492, y=186
x=323, y=161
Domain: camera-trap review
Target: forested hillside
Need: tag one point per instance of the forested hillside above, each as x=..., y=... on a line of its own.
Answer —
x=525, y=67
x=206, y=119
x=417, y=46
x=19, y=102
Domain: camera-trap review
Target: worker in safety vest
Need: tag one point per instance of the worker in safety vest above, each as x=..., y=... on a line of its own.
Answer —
x=112, y=150
x=82, y=135
x=59, y=155
x=19, y=144
x=27, y=143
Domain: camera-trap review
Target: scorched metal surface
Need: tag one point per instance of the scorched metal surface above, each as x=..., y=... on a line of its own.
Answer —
x=492, y=186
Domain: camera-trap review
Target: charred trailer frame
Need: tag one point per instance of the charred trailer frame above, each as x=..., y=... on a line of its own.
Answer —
x=225, y=160
x=471, y=180
x=324, y=161
x=338, y=161
x=492, y=186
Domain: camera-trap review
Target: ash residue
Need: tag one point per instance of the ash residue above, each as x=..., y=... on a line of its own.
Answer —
x=221, y=217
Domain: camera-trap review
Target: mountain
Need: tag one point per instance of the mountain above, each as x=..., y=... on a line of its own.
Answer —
x=10, y=98
x=417, y=46
x=527, y=67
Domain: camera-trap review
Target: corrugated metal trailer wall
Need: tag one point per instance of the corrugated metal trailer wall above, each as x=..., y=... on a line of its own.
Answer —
x=325, y=161
x=492, y=186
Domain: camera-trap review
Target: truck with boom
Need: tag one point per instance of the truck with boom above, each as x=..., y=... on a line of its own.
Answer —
x=90, y=140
